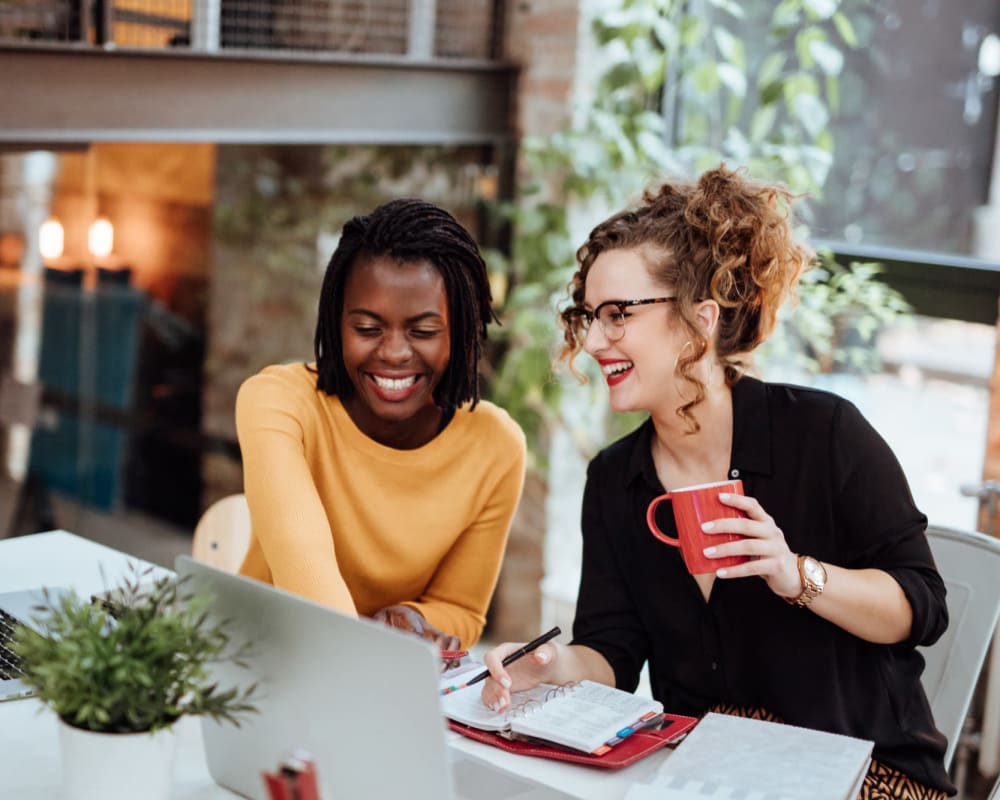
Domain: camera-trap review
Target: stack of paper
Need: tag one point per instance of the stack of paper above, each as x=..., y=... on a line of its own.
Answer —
x=729, y=757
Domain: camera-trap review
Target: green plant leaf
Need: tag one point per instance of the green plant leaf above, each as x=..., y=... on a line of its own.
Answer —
x=732, y=78
x=809, y=110
x=137, y=672
x=845, y=29
x=705, y=78
x=770, y=68
x=821, y=9
x=828, y=57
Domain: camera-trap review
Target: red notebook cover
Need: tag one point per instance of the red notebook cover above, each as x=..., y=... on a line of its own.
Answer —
x=631, y=749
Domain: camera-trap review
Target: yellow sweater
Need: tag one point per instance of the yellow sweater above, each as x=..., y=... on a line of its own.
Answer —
x=351, y=523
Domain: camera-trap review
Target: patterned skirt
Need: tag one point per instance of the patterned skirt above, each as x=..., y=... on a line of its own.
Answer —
x=881, y=783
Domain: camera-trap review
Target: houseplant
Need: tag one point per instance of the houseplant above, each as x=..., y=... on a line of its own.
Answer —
x=120, y=673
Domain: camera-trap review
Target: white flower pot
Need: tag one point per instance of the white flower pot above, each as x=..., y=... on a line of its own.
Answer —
x=116, y=766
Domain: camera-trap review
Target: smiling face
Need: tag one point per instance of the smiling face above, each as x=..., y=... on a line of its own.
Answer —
x=639, y=367
x=396, y=345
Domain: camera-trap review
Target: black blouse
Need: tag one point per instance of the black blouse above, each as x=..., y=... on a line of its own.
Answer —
x=833, y=486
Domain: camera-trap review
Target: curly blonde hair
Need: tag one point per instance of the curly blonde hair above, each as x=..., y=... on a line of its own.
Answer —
x=724, y=237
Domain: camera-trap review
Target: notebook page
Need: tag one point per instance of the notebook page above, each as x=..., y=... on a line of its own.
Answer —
x=585, y=716
x=466, y=706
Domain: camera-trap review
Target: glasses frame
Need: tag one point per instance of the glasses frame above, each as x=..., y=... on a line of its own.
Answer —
x=613, y=332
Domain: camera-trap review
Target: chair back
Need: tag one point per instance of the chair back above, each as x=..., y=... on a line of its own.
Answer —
x=969, y=563
x=222, y=535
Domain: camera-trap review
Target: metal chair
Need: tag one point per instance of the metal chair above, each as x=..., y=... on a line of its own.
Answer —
x=222, y=535
x=970, y=565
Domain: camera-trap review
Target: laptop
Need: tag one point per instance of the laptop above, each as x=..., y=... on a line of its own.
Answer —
x=18, y=607
x=361, y=698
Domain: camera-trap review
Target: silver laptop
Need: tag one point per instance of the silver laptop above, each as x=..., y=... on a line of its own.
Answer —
x=361, y=698
x=18, y=607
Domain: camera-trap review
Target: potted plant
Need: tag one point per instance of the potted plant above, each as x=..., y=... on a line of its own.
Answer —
x=120, y=673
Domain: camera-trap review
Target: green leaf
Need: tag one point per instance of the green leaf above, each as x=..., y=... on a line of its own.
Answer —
x=733, y=79
x=810, y=112
x=770, y=69
x=693, y=30
x=730, y=47
x=787, y=14
x=137, y=674
x=762, y=122
x=737, y=146
x=772, y=92
x=729, y=7
x=828, y=57
x=705, y=78
x=799, y=83
x=666, y=33
x=821, y=9
x=846, y=30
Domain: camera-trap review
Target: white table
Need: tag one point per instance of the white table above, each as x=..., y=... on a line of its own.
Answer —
x=28, y=738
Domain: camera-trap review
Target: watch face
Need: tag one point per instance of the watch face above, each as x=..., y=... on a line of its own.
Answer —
x=814, y=571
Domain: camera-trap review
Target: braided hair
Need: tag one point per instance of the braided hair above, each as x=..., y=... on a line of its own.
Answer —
x=410, y=230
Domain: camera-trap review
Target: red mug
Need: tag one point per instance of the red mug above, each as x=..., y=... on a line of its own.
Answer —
x=694, y=505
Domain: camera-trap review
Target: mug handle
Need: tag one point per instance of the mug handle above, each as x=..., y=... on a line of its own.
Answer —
x=653, y=527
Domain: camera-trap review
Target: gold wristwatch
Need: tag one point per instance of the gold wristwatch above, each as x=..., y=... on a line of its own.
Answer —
x=813, y=576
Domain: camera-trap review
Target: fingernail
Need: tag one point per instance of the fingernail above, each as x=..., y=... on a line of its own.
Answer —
x=707, y=526
x=542, y=657
x=722, y=573
x=709, y=551
x=723, y=495
x=505, y=682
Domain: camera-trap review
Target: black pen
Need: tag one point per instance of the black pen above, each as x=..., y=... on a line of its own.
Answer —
x=521, y=651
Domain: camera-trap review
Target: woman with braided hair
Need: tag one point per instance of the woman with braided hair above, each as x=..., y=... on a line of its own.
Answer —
x=379, y=483
x=819, y=626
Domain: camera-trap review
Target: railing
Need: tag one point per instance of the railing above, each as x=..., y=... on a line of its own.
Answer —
x=424, y=29
x=935, y=284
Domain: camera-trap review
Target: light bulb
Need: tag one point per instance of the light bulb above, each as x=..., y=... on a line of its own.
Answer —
x=51, y=239
x=101, y=238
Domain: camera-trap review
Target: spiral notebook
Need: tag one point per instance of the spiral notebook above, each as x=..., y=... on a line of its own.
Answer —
x=588, y=717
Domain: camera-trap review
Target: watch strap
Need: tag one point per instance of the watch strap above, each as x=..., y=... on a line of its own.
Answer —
x=810, y=589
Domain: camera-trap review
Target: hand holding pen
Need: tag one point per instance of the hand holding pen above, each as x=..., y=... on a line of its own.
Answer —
x=509, y=659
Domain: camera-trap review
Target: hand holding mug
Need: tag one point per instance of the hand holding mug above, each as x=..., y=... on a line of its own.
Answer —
x=721, y=530
x=696, y=507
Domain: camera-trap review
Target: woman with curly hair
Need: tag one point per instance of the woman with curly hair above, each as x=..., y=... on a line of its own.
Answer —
x=819, y=626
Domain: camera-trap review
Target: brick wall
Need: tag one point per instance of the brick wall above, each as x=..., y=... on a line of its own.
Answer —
x=542, y=37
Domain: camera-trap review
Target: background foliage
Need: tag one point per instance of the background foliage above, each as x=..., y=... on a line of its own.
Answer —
x=681, y=87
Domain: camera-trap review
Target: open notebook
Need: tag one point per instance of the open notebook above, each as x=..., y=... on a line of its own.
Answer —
x=588, y=717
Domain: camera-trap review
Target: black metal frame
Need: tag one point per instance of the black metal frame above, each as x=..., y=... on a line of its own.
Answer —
x=935, y=284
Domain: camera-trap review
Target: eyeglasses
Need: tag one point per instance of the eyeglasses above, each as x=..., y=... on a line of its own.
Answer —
x=611, y=315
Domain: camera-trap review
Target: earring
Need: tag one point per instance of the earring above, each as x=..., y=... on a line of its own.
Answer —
x=680, y=353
